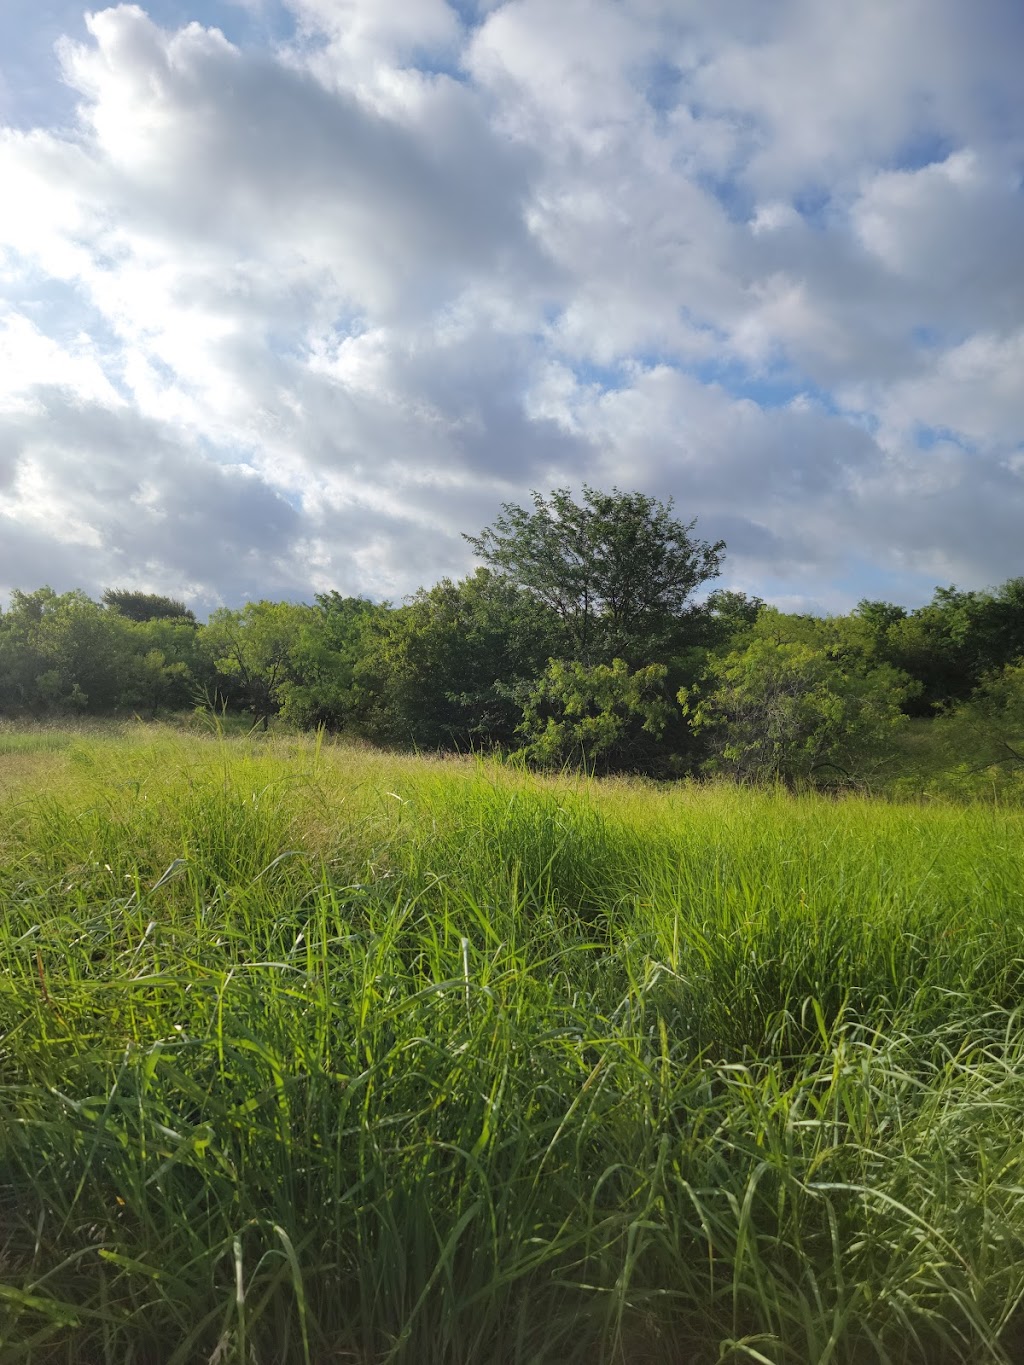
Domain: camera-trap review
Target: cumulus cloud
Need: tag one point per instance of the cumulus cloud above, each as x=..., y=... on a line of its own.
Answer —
x=289, y=315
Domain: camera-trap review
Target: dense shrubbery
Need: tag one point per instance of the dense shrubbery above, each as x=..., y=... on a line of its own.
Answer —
x=570, y=647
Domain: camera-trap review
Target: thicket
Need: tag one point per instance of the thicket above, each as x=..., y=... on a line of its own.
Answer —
x=583, y=640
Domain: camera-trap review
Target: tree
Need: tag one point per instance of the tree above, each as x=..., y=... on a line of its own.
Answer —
x=955, y=641
x=330, y=643
x=983, y=737
x=617, y=569
x=171, y=668
x=62, y=651
x=601, y=717
x=252, y=649
x=729, y=615
x=789, y=707
x=159, y=683
x=146, y=606
x=448, y=669
x=880, y=616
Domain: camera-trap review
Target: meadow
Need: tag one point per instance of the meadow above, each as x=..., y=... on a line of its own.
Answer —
x=310, y=1053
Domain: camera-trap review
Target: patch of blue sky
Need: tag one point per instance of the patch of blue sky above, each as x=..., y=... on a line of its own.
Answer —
x=860, y=579
x=551, y=313
x=291, y=496
x=295, y=343
x=472, y=13
x=662, y=84
x=260, y=23
x=727, y=185
x=32, y=93
x=654, y=358
x=923, y=149
x=927, y=338
x=165, y=372
x=231, y=454
x=605, y=378
x=927, y=437
x=57, y=307
x=775, y=388
x=788, y=594
x=61, y=312
x=435, y=60
x=621, y=372
x=735, y=198
x=766, y=392
x=813, y=202
x=871, y=422
x=431, y=64
x=291, y=345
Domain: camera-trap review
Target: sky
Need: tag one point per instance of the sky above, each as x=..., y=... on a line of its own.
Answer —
x=294, y=292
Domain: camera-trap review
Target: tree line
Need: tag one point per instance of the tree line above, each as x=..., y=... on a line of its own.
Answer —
x=587, y=637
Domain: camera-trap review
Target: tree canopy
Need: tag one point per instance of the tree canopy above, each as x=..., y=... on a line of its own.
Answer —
x=617, y=569
x=795, y=703
x=146, y=606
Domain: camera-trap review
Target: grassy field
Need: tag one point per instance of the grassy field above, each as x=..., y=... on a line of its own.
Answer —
x=313, y=1054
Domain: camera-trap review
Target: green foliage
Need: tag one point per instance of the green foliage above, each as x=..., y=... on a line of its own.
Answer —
x=997, y=706
x=602, y=718
x=147, y=606
x=800, y=702
x=954, y=642
x=253, y=651
x=729, y=615
x=618, y=570
x=331, y=641
x=62, y=652
x=981, y=740
x=448, y=669
x=170, y=667
x=880, y=616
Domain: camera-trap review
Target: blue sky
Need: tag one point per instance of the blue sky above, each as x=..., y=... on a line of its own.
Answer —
x=292, y=292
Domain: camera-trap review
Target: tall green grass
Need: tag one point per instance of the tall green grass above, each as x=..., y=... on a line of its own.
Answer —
x=309, y=1054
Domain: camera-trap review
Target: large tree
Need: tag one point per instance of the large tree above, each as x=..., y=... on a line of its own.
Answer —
x=618, y=569
x=981, y=740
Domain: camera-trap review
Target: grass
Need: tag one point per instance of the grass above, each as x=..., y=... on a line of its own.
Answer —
x=312, y=1054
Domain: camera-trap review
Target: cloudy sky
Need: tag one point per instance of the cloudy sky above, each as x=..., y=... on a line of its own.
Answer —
x=294, y=291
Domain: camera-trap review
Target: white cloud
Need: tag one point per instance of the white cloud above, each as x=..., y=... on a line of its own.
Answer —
x=288, y=318
x=974, y=391
x=29, y=358
x=948, y=234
